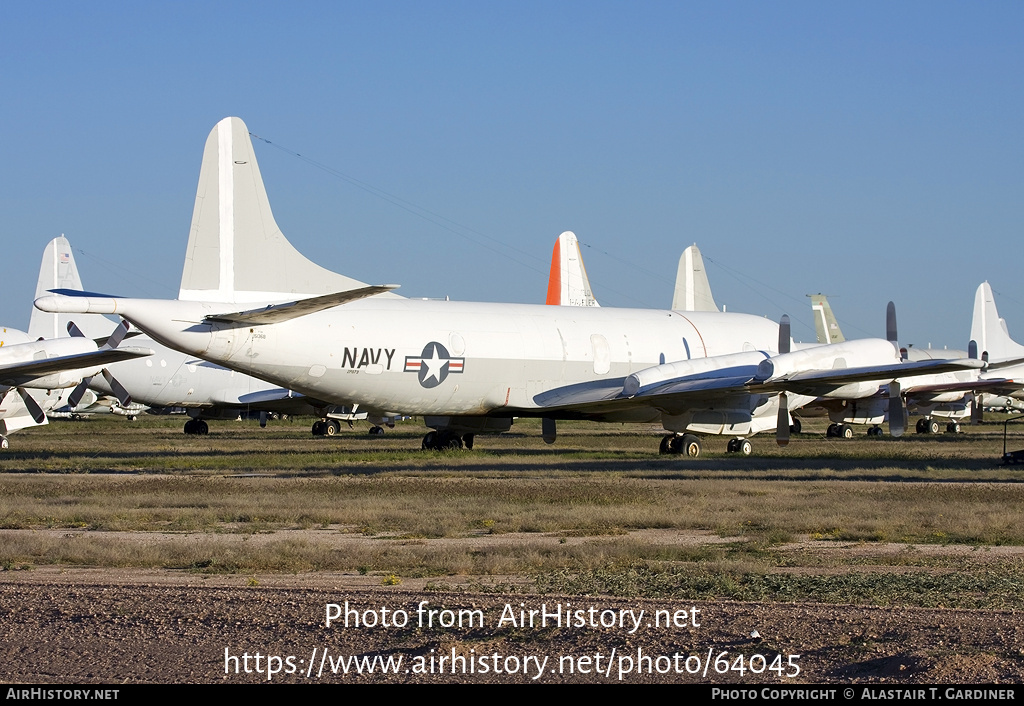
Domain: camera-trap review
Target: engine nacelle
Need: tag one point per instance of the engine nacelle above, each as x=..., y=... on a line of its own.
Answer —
x=735, y=365
x=836, y=356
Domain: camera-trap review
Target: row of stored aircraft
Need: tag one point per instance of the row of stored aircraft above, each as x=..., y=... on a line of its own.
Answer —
x=252, y=303
x=933, y=397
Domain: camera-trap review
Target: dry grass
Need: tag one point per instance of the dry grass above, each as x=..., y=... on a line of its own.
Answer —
x=587, y=501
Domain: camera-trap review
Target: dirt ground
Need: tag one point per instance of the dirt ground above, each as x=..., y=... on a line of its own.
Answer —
x=115, y=626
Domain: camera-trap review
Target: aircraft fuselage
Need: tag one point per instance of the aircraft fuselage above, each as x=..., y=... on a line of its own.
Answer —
x=444, y=358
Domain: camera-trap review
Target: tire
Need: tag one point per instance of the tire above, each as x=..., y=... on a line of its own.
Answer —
x=846, y=431
x=430, y=441
x=665, y=447
x=745, y=447
x=691, y=445
x=933, y=426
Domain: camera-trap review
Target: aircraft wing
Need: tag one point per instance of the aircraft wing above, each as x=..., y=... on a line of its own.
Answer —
x=276, y=313
x=820, y=382
x=670, y=388
x=23, y=373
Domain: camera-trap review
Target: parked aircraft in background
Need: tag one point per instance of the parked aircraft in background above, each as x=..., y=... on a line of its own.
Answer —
x=568, y=284
x=942, y=396
x=1004, y=387
x=825, y=324
x=692, y=290
x=945, y=396
x=470, y=368
x=35, y=374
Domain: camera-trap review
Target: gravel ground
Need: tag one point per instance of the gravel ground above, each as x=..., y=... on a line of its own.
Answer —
x=114, y=626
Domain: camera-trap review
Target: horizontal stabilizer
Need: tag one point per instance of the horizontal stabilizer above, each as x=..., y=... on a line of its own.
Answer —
x=23, y=372
x=277, y=313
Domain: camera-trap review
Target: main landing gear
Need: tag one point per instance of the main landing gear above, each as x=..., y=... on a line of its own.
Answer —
x=332, y=427
x=839, y=431
x=446, y=441
x=197, y=426
x=685, y=444
x=932, y=426
x=740, y=446
x=4, y=443
x=326, y=427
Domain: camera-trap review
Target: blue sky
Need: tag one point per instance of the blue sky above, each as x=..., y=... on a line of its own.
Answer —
x=870, y=151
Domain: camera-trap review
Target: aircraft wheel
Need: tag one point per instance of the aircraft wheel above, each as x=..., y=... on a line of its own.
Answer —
x=430, y=441
x=691, y=445
x=953, y=428
x=190, y=426
x=665, y=447
x=131, y=417
x=933, y=426
x=447, y=441
x=745, y=447
x=376, y=431
x=687, y=445
x=4, y=443
x=845, y=431
x=795, y=427
x=733, y=446
x=202, y=427
x=832, y=430
x=468, y=441
x=331, y=427
x=318, y=428
x=920, y=427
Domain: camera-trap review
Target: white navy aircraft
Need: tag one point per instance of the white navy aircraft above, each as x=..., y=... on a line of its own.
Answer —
x=471, y=368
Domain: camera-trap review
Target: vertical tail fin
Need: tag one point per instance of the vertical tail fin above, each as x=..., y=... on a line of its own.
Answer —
x=59, y=271
x=568, y=284
x=693, y=291
x=989, y=331
x=825, y=323
x=236, y=253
